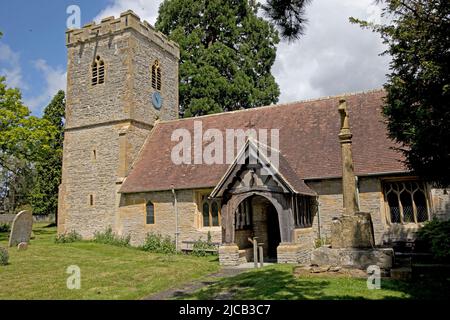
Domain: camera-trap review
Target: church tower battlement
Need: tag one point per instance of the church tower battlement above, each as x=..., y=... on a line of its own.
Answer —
x=122, y=76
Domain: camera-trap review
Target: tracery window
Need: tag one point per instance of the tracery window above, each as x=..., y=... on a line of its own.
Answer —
x=210, y=209
x=406, y=201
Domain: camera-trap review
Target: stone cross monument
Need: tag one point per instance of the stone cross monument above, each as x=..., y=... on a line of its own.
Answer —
x=354, y=228
x=348, y=175
x=352, y=237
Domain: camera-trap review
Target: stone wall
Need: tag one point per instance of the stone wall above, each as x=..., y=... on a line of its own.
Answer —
x=294, y=253
x=132, y=217
x=330, y=204
x=241, y=238
x=128, y=49
x=259, y=220
x=440, y=200
x=300, y=251
x=229, y=255
x=84, y=175
x=107, y=124
x=371, y=199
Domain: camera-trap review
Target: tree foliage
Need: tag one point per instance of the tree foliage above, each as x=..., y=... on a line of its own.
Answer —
x=227, y=53
x=288, y=15
x=24, y=139
x=418, y=87
x=44, y=198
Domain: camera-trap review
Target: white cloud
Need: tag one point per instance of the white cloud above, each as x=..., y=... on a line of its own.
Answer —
x=55, y=79
x=145, y=9
x=333, y=57
x=10, y=67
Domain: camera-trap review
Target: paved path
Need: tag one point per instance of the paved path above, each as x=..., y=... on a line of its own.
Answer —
x=194, y=286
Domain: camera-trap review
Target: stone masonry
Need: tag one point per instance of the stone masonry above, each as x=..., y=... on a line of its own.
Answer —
x=132, y=215
x=107, y=124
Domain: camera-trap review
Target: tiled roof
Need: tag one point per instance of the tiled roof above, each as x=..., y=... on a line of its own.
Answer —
x=308, y=139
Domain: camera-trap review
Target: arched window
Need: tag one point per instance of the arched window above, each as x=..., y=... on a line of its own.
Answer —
x=205, y=213
x=209, y=210
x=150, y=213
x=98, y=71
x=214, y=214
x=156, y=76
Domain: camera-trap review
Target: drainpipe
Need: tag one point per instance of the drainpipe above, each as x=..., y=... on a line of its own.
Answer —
x=318, y=219
x=357, y=191
x=176, y=218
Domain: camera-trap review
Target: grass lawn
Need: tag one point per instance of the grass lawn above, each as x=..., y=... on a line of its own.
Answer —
x=278, y=282
x=107, y=272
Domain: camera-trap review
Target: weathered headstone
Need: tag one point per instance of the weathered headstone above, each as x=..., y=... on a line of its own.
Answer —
x=21, y=228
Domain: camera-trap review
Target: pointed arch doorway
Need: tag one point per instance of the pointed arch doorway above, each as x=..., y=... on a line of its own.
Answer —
x=256, y=216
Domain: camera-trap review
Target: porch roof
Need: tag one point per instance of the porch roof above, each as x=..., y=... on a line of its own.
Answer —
x=281, y=171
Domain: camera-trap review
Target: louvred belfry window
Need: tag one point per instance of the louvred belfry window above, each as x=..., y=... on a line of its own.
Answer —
x=156, y=76
x=406, y=201
x=98, y=71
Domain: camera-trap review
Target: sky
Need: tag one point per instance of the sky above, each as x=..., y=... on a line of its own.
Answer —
x=333, y=57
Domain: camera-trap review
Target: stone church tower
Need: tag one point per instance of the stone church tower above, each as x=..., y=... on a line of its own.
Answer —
x=122, y=76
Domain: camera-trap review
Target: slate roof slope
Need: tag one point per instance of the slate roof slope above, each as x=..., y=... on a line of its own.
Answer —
x=308, y=142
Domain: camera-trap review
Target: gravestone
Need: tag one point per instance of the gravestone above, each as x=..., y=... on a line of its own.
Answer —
x=21, y=228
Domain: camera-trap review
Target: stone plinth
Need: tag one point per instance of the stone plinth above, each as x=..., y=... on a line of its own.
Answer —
x=352, y=231
x=229, y=255
x=353, y=257
x=294, y=253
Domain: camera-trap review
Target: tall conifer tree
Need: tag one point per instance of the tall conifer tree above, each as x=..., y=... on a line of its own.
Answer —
x=227, y=53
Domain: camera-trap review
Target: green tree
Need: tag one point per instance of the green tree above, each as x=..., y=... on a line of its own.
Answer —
x=22, y=135
x=24, y=139
x=418, y=86
x=15, y=185
x=44, y=198
x=227, y=53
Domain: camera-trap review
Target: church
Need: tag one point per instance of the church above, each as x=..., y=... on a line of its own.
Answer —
x=274, y=172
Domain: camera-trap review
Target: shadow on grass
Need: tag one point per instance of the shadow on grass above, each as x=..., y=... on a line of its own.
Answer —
x=51, y=225
x=430, y=288
x=264, y=284
x=274, y=284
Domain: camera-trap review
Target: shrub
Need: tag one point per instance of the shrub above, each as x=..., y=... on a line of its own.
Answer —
x=200, y=246
x=156, y=243
x=4, y=257
x=72, y=236
x=5, y=227
x=109, y=237
x=436, y=235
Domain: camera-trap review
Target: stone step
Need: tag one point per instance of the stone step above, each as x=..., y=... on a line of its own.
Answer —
x=414, y=257
x=401, y=273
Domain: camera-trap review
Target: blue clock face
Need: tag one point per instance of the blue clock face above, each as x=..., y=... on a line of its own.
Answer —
x=157, y=100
